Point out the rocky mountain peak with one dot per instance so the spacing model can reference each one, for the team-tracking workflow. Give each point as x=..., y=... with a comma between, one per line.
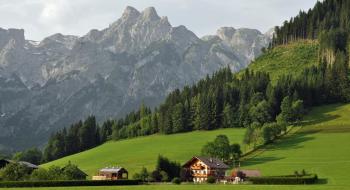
x=15, y=35
x=130, y=12
x=59, y=39
x=150, y=13
x=226, y=33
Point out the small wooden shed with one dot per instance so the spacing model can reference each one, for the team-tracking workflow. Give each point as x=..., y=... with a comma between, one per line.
x=113, y=173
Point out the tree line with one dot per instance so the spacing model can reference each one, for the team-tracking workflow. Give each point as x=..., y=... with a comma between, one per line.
x=325, y=16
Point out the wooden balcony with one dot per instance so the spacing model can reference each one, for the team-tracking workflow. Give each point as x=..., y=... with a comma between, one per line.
x=200, y=175
x=197, y=167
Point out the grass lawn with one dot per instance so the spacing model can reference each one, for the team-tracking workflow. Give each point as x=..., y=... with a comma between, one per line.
x=135, y=153
x=321, y=146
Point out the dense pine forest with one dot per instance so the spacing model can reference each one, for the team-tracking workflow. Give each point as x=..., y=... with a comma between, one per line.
x=225, y=100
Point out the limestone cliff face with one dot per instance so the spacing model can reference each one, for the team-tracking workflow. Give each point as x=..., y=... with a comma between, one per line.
x=47, y=85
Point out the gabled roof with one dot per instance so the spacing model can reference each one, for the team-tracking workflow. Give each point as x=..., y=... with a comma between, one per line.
x=214, y=163
x=27, y=164
x=79, y=170
x=113, y=169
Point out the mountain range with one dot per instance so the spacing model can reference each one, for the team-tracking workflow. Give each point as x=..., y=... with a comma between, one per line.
x=48, y=85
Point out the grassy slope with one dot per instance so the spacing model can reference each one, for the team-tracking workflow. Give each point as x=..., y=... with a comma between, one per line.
x=321, y=145
x=287, y=59
x=133, y=154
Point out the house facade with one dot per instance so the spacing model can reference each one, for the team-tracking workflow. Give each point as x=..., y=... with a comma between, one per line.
x=200, y=168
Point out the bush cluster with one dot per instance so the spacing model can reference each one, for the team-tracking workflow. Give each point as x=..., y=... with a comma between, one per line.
x=285, y=180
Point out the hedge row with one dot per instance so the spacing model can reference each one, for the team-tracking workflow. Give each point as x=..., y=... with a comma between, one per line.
x=67, y=183
x=285, y=180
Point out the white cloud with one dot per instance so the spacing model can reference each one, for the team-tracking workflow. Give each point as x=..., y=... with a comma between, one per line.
x=41, y=18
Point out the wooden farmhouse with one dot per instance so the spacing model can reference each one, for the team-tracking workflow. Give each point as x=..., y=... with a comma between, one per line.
x=200, y=168
x=113, y=173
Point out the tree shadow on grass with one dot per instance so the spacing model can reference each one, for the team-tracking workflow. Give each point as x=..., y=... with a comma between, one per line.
x=294, y=141
x=322, y=181
x=260, y=160
x=320, y=119
x=291, y=142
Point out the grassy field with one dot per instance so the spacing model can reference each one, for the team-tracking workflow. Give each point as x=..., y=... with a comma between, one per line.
x=287, y=59
x=133, y=154
x=321, y=145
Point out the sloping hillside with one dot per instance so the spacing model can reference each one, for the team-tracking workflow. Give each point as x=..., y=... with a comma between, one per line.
x=320, y=146
x=135, y=153
x=287, y=59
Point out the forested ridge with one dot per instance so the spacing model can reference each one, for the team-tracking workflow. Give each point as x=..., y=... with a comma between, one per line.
x=225, y=100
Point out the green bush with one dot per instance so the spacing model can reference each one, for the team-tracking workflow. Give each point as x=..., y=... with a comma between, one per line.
x=176, y=180
x=211, y=180
x=67, y=183
x=284, y=180
x=15, y=172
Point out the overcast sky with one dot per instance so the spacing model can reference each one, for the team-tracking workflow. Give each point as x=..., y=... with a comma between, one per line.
x=41, y=18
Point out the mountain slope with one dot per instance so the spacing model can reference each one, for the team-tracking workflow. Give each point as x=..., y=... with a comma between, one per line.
x=291, y=58
x=107, y=73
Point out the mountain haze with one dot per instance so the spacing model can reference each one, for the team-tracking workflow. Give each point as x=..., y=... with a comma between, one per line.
x=47, y=85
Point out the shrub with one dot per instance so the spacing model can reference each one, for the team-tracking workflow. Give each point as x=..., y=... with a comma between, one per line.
x=285, y=180
x=40, y=174
x=164, y=175
x=72, y=172
x=15, y=172
x=176, y=181
x=156, y=176
x=55, y=173
x=211, y=180
x=143, y=175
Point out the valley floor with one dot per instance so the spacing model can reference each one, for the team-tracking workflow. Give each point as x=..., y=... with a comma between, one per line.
x=321, y=145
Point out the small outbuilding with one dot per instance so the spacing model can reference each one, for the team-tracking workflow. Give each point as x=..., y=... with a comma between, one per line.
x=4, y=162
x=113, y=173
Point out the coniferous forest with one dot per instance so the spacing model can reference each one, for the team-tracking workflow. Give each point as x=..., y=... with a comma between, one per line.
x=249, y=100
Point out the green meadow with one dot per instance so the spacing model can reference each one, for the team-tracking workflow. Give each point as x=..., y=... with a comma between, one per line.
x=321, y=145
x=133, y=154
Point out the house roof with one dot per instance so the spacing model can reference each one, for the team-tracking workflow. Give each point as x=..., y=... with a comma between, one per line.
x=210, y=162
x=113, y=169
x=27, y=164
x=79, y=170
